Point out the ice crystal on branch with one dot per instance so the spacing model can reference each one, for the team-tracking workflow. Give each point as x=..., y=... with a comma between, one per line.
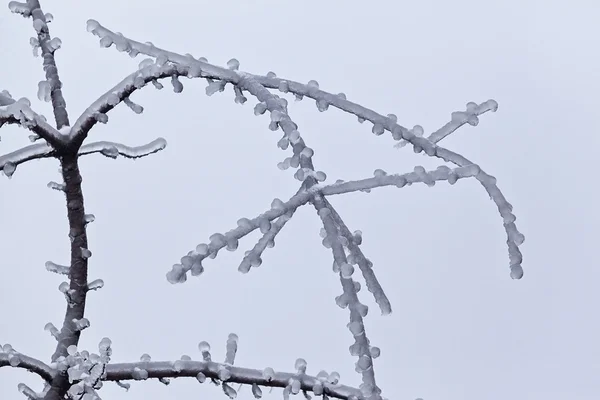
x=79, y=374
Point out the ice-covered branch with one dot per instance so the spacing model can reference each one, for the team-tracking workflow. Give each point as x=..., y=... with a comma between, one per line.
x=257, y=85
x=459, y=118
x=357, y=257
x=209, y=369
x=48, y=46
x=96, y=112
x=193, y=260
x=349, y=298
x=10, y=161
x=78, y=266
x=112, y=149
x=11, y=358
x=20, y=112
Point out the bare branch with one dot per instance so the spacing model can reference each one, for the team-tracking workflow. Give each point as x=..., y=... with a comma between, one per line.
x=112, y=149
x=11, y=358
x=210, y=369
x=19, y=112
x=10, y=161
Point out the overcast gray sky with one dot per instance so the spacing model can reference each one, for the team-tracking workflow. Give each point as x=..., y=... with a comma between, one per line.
x=461, y=328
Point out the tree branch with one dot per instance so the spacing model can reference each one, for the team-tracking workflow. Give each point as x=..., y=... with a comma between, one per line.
x=10, y=161
x=19, y=112
x=256, y=85
x=349, y=298
x=112, y=149
x=12, y=358
x=181, y=368
x=49, y=63
x=78, y=270
x=137, y=80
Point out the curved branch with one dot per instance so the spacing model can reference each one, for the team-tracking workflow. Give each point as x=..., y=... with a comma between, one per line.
x=10, y=161
x=118, y=94
x=166, y=369
x=514, y=237
x=18, y=360
x=112, y=149
x=19, y=112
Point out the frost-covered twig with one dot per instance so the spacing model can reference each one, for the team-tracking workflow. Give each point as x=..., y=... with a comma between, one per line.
x=20, y=112
x=324, y=99
x=209, y=369
x=193, y=260
x=48, y=46
x=11, y=358
x=349, y=298
x=96, y=112
x=459, y=118
x=10, y=161
x=112, y=149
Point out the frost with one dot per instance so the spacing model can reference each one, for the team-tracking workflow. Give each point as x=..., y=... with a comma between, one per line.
x=177, y=85
x=81, y=324
x=300, y=365
x=229, y=391
x=374, y=351
x=333, y=378
x=9, y=169
x=19, y=8
x=204, y=348
x=233, y=64
x=256, y=391
x=57, y=269
x=85, y=253
x=139, y=374
x=136, y=108
x=223, y=373
x=35, y=46
x=39, y=26
x=44, y=91
x=95, y=284
x=232, y=345
x=268, y=374
x=516, y=271
x=54, y=44
x=49, y=327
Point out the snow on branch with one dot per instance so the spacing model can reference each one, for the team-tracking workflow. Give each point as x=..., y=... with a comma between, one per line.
x=9, y=357
x=112, y=149
x=20, y=112
x=10, y=161
x=349, y=298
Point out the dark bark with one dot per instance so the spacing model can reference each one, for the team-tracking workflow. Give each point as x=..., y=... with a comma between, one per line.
x=78, y=273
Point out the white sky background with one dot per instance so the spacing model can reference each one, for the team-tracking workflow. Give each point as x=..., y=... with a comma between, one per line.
x=461, y=328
